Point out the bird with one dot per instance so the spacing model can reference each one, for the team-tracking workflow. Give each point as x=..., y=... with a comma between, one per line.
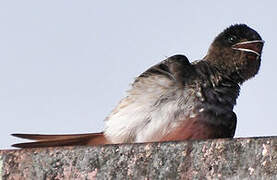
x=176, y=100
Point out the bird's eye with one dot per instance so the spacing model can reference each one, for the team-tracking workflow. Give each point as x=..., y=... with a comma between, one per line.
x=232, y=39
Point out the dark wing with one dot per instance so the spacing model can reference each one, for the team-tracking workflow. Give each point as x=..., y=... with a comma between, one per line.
x=177, y=68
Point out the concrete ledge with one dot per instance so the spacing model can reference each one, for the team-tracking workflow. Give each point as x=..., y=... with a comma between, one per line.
x=245, y=158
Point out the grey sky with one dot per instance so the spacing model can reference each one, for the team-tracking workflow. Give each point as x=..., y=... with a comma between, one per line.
x=64, y=65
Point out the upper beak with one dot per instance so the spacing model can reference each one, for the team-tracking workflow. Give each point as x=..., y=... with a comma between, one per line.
x=254, y=46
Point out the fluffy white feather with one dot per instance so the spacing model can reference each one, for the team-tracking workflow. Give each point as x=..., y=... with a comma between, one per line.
x=138, y=117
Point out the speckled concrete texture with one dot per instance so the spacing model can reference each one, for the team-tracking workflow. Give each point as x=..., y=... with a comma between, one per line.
x=246, y=158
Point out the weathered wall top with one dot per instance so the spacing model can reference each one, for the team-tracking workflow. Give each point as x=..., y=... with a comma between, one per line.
x=254, y=158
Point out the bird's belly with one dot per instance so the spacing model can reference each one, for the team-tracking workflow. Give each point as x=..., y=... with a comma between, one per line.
x=193, y=128
x=197, y=123
x=182, y=117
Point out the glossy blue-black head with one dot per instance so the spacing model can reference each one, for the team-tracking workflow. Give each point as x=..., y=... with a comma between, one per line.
x=237, y=52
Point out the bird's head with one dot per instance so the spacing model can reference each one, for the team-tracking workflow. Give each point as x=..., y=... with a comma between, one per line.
x=236, y=52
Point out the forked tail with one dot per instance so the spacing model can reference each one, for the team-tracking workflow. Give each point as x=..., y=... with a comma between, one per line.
x=42, y=140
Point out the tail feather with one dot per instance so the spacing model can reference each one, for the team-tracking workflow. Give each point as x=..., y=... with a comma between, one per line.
x=53, y=136
x=60, y=140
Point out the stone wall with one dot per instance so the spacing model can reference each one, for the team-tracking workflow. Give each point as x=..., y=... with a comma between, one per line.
x=244, y=158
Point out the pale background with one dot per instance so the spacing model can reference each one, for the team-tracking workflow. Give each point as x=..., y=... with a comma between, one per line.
x=65, y=64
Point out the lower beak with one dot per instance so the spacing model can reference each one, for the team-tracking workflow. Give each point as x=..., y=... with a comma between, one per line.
x=255, y=46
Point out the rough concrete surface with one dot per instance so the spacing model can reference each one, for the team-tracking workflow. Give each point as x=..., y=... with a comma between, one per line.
x=245, y=158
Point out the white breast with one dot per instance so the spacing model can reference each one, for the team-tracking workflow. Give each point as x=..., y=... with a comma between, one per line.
x=146, y=113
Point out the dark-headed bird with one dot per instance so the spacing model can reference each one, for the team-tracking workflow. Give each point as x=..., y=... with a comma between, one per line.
x=178, y=100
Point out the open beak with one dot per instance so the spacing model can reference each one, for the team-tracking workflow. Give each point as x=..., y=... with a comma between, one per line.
x=254, y=46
